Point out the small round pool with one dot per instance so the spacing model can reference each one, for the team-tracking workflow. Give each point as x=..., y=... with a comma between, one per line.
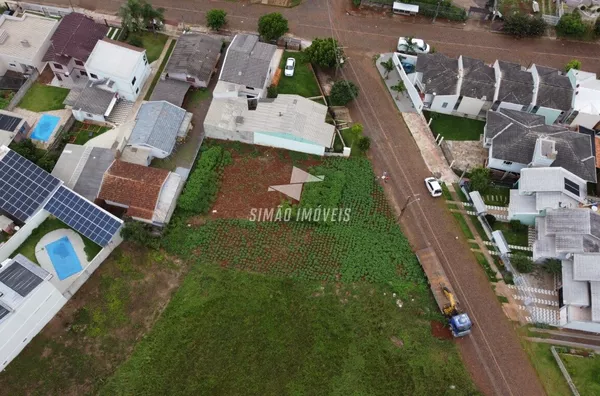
x=44, y=127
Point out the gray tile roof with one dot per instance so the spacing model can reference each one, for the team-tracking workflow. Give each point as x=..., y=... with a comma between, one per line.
x=440, y=73
x=172, y=91
x=586, y=267
x=551, y=179
x=516, y=85
x=555, y=89
x=576, y=230
x=574, y=292
x=93, y=99
x=247, y=61
x=514, y=135
x=157, y=125
x=90, y=180
x=478, y=79
x=195, y=55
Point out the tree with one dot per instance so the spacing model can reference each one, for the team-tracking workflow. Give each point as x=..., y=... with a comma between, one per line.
x=140, y=233
x=388, y=66
x=272, y=26
x=573, y=64
x=364, y=143
x=411, y=45
x=553, y=266
x=521, y=263
x=399, y=88
x=571, y=25
x=521, y=25
x=27, y=149
x=480, y=179
x=136, y=41
x=343, y=92
x=216, y=19
x=324, y=52
x=47, y=161
x=136, y=15
x=517, y=226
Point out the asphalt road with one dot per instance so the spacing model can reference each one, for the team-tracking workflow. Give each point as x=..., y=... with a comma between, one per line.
x=492, y=353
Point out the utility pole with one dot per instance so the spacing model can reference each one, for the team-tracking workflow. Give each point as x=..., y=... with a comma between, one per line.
x=409, y=200
x=437, y=9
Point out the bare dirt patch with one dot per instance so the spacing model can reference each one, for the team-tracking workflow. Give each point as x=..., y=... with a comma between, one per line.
x=440, y=331
x=246, y=182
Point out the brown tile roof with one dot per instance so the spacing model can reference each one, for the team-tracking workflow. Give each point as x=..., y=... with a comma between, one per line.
x=124, y=45
x=597, y=152
x=75, y=37
x=133, y=185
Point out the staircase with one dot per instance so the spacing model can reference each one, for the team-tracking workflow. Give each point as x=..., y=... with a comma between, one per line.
x=120, y=112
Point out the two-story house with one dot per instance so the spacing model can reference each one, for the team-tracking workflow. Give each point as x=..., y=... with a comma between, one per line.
x=71, y=45
x=586, y=103
x=553, y=93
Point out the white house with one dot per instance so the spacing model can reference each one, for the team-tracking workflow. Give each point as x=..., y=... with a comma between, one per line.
x=122, y=68
x=24, y=41
x=517, y=140
x=586, y=104
x=289, y=121
x=248, y=67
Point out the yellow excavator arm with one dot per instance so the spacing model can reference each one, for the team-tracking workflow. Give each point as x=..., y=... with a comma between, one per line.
x=451, y=308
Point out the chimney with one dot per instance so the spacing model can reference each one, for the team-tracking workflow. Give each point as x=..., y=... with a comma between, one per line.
x=544, y=153
x=25, y=43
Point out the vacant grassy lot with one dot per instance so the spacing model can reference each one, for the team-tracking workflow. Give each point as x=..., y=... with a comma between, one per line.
x=303, y=82
x=44, y=98
x=455, y=128
x=235, y=333
x=153, y=43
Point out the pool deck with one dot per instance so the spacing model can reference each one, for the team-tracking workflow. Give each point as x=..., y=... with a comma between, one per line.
x=46, y=263
x=32, y=118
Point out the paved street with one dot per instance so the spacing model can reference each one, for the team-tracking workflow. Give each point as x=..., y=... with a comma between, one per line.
x=492, y=353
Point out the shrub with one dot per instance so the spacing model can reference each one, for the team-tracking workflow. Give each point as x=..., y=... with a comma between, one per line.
x=553, y=266
x=491, y=219
x=517, y=226
x=356, y=2
x=480, y=179
x=573, y=64
x=136, y=41
x=325, y=195
x=216, y=19
x=202, y=186
x=521, y=263
x=140, y=233
x=272, y=26
x=364, y=143
x=272, y=91
x=342, y=92
x=521, y=25
x=571, y=25
x=324, y=52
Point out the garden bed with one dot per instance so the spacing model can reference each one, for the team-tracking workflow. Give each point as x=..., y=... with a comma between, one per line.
x=82, y=132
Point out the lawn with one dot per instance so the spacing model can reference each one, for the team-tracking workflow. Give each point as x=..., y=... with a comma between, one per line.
x=27, y=248
x=585, y=372
x=163, y=64
x=153, y=43
x=455, y=128
x=197, y=95
x=231, y=333
x=491, y=274
x=518, y=237
x=463, y=225
x=552, y=379
x=5, y=98
x=351, y=138
x=497, y=196
x=44, y=98
x=81, y=132
x=304, y=82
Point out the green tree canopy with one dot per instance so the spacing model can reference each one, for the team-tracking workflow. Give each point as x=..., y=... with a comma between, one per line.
x=272, y=26
x=342, y=92
x=136, y=15
x=324, y=52
x=573, y=64
x=480, y=179
x=216, y=19
x=571, y=25
x=521, y=25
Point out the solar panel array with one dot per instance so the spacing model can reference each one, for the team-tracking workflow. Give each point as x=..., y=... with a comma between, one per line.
x=9, y=123
x=23, y=186
x=83, y=216
x=20, y=279
x=572, y=187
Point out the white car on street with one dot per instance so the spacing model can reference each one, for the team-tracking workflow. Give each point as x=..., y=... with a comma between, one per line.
x=415, y=46
x=290, y=65
x=433, y=186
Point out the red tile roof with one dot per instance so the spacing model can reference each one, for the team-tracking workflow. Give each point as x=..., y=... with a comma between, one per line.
x=133, y=185
x=75, y=37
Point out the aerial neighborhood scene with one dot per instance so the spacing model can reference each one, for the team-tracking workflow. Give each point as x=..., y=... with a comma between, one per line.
x=300, y=197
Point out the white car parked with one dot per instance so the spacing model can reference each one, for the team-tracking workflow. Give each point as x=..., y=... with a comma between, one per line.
x=417, y=46
x=433, y=186
x=290, y=65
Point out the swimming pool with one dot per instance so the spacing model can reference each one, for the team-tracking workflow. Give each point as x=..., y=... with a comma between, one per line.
x=63, y=258
x=44, y=127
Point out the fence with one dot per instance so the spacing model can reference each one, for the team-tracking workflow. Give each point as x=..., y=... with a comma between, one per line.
x=23, y=90
x=564, y=371
x=50, y=11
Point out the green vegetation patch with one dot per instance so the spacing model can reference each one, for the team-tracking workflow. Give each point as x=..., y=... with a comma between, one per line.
x=463, y=225
x=513, y=236
x=5, y=98
x=44, y=98
x=491, y=274
x=497, y=196
x=585, y=372
x=552, y=379
x=453, y=127
x=153, y=43
x=303, y=82
x=81, y=132
x=227, y=331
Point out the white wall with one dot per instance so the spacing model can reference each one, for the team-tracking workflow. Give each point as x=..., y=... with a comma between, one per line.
x=413, y=94
x=82, y=116
x=586, y=120
x=511, y=106
x=591, y=327
x=470, y=106
x=439, y=101
x=273, y=66
x=275, y=141
x=19, y=237
x=500, y=165
x=123, y=85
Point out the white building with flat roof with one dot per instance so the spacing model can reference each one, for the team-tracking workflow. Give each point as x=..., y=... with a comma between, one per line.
x=24, y=41
x=120, y=67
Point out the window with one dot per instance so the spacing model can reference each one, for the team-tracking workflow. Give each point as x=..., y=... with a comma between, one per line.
x=93, y=76
x=190, y=79
x=133, y=81
x=252, y=104
x=78, y=62
x=89, y=115
x=572, y=187
x=83, y=72
x=507, y=163
x=535, y=109
x=58, y=77
x=250, y=88
x=444, y=105
x=12, y=64
x=137, y=90
x=145, y=59
x=57, y=66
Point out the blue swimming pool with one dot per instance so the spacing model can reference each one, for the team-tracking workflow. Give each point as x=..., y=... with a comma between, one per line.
x=63, y=258
x=44, y=127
